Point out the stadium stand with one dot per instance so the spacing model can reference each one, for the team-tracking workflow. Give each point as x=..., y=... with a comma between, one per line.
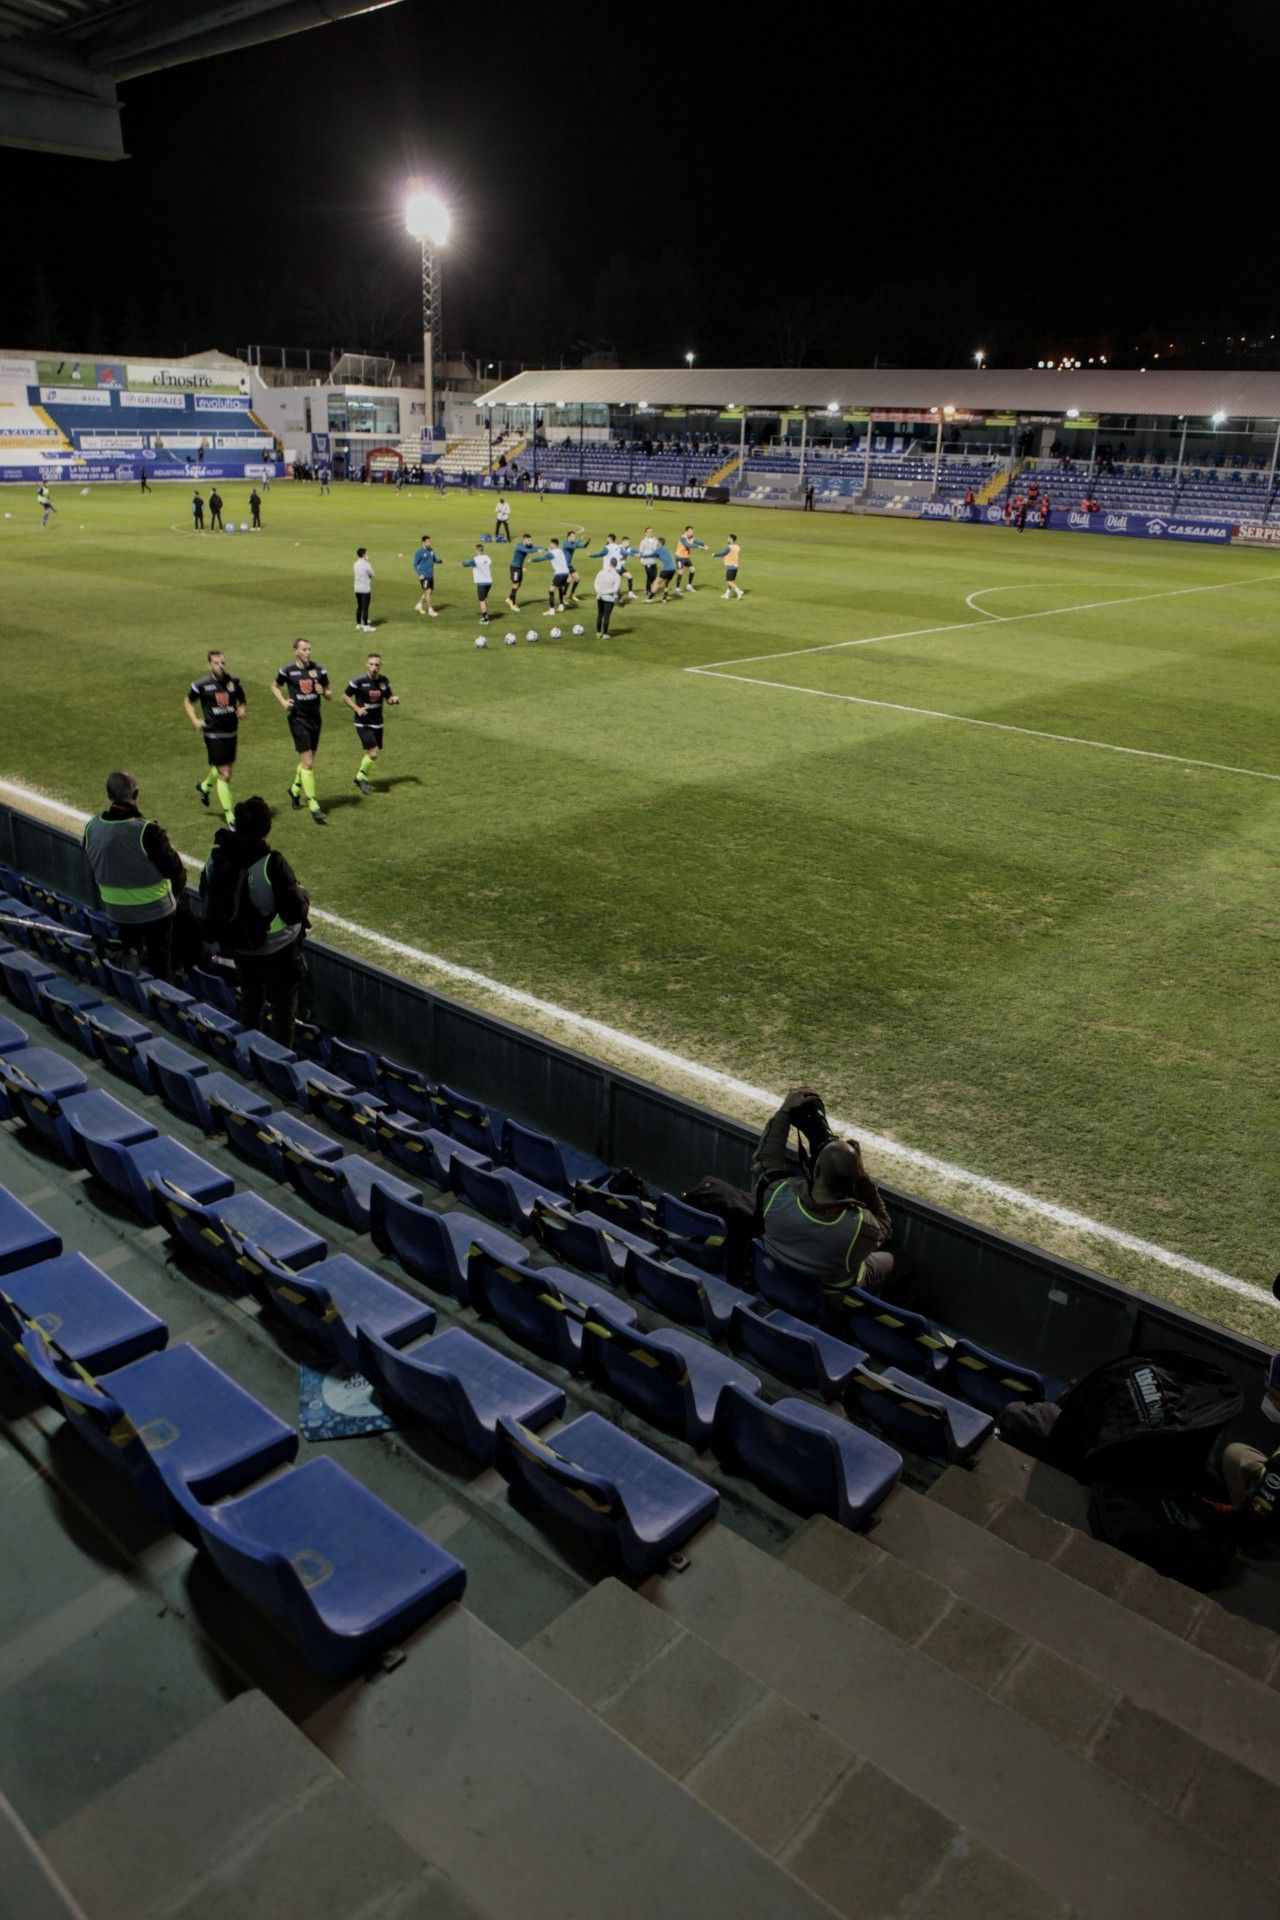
x=751, y=1700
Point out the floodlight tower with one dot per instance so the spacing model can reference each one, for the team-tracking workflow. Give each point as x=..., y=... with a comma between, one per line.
x=426, y=218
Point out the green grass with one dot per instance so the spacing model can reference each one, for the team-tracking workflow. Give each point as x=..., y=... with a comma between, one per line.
x=1053, y=965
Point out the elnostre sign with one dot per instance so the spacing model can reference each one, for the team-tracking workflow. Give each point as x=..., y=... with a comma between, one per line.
x=185, y=379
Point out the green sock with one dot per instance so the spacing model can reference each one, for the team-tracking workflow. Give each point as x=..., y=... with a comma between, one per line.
x=296, y=788
x=225, y=801
x=366, y=768
x=308, y=779
x=207, y=782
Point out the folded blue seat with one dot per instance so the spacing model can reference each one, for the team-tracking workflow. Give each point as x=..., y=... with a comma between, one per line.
x=23, y=974
x=202, y=1094
x=634, y=1211
x=459, y=1387
x=24, y=1237
x=587, y=1240
x=632, y=1505
x=337, y=1569
x=988, y=1381
x=894, y=1333
x=208, y=1027
x=167, y=1004
x=304, y=1075
x=214, y=1230
x=96, y=1110
x=262, y=1058
x=334, y=1302
x=90, y=1319
x=812, y=1460
x=166, y=1058
x=342, y=1187
x=436, y=1248
x=215, y=989
x=475, y=1125
x=13, y=1038
x=118, y=1039
x=682, y=1292
x=407, y=1089
x=796, y=1293
x=355, y=1064
x=671, y=1378
x=914, y=1414
x=352, y=1111
x=134, y=989
x=499, y=1193
x=690, y=1233
x=547, y=1161
x=172, y=1423
x=416, y=1146
x=543, y=1308
x=129, y=1170
x=801, y=1354
x=60, y=1001
x=263, y=1139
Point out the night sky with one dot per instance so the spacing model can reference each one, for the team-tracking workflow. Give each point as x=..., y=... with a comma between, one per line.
x=1032, y=181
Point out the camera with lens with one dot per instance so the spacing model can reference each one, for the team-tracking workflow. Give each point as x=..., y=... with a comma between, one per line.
x=810, y=1122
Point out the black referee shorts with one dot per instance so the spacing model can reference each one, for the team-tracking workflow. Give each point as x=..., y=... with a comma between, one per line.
x=221, y=749
x=369, y=737
x=305, y=734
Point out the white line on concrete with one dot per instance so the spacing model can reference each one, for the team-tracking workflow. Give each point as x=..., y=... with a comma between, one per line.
x=1005, y=619
x=761, y=1097
x=999, y=726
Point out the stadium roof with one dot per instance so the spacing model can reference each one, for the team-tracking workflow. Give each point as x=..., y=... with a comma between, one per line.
x=61, y=60
x=967, y=389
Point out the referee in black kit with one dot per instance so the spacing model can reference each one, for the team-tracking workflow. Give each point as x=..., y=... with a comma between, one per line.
x=300, y=686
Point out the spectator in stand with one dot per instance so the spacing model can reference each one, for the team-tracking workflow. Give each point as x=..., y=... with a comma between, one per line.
x=266, y=941
x=138, y=875
x=830, y=1224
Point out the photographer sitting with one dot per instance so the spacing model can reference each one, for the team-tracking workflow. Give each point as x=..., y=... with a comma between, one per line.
x=828, y=1221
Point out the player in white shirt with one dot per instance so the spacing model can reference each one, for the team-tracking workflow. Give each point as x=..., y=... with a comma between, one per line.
x=501, y=519
x=560, y=571
x=608, y=585
x=648, y=556
x=482, y=570
x=362, y=576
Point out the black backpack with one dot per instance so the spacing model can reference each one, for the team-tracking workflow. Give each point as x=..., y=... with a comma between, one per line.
x=1165, y=1530
x=1146, y=1421
x=231, y=920
x=738, y=1211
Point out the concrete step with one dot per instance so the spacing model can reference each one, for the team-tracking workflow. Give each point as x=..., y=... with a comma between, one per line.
x=1190, y=1735
x=529, y=1803
x=32, y=1890
x=841, y=1825
x=244, y=1816
x=1086, y=1838
x=1237, y=1642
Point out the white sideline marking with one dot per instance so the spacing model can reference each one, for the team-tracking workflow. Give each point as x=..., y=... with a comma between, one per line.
x=999, y=726
x=1006, y=619
x=743, y=1089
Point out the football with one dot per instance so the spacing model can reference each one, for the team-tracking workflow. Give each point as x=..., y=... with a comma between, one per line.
x=481, y=641
x=555, y=633
x=577, y=632
x=531, y=635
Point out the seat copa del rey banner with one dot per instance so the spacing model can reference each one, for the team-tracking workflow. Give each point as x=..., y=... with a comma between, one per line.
x=638, y=490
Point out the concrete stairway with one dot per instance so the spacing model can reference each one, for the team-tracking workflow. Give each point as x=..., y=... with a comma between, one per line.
x=985, y=1765
x=1008, y=1494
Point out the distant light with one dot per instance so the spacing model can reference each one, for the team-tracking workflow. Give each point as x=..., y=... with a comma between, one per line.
x=948, y=409
x=1039, y=363
x=833, y=406
x=1103, y=358
x=979, y=356
x=1218, y=419
x=688, y=359
x=426, y=217
x=644, y=406
x=1073, y=413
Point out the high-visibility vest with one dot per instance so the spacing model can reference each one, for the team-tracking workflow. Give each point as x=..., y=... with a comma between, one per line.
x=279, y=936
x=132, y=891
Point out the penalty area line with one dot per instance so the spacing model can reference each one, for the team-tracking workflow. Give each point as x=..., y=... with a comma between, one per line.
x=713, y=1078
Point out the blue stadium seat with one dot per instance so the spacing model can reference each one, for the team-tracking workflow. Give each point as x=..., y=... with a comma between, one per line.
x=24, y=1238
x=418, y=1148
x=545, y=1160
x=107, y=1117
x=671, y=1378
x=129, y=1170
x=435, y=1248
x=337, y=1569
x=207, y=1027
x=812, y=1460
x=33, y=1082
x=133, y=988
x=167, y=1004
x=894, y=1333
x=169, y=1065
x=215, y=1229
x=912, y=1414
x=341, y=1188
x=262, y=1140
x=334, y=1302
x=796, y=1293
x=206, y=1097
x=631, y=1504
x=459, y=1387
x=216, y=989
x=304, y=1075
x=60, y=1001
x=633, y=1211
x=690, y=1233
x=355, y=1064
x=118, y=1039
x=801, y=1354
x=988, y=1381
x=23, y=974
x=682, y=1292
x=476, y=1126
x=259, y=1057
x=501, y=1195
x=171, y=1422
x=88, y=1317
x=352, y=1112
x=542, y=1308
x=586, y=1240
x=13, y=1038
x=406, y=1089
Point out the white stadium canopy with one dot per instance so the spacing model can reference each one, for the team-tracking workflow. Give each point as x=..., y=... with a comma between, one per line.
x=1107, y=391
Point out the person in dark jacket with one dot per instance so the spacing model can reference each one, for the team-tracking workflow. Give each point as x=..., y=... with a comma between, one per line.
x=833, y=1227
x=138, y=875
x=269, y=972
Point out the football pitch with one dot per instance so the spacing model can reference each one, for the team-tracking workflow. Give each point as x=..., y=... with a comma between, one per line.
x=975, y=831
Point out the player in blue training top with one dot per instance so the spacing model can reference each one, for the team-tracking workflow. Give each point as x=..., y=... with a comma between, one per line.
x=572, y=546
x=425, y=562
x=686, y=546
x=523, y=551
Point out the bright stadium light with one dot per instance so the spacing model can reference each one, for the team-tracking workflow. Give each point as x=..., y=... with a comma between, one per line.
x=1073, y=413
x=688, y=359
x=833, y=406
x=1218, y=419
x=426, y=220
x=979, y=356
